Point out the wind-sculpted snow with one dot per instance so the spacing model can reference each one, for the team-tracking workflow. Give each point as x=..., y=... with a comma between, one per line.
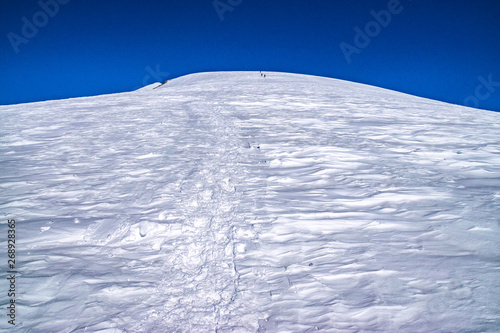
x=226, y=202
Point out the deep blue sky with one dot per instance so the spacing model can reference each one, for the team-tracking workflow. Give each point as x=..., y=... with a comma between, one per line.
x=442, y=49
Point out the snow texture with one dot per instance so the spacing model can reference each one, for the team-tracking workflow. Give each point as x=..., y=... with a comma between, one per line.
x=229, y=202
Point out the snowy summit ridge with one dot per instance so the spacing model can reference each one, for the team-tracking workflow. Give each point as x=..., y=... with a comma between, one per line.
x=229, y=202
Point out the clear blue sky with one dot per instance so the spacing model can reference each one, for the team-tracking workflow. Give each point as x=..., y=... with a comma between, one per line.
x=447, y=50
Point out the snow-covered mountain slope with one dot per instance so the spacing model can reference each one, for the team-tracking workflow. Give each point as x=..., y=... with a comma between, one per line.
x=226, y=202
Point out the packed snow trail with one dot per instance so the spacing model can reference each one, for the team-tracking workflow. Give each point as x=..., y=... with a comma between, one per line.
x=225, y=202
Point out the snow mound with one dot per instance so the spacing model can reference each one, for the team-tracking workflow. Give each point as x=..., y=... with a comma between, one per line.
x=229, y=202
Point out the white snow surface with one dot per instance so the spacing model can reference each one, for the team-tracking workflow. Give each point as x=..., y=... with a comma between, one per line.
x=226, y=202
